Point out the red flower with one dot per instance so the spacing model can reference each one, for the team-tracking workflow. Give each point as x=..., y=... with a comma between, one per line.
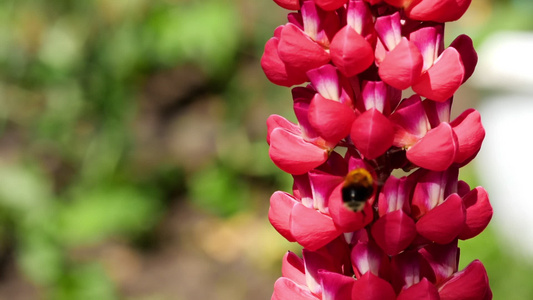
x=366, y=233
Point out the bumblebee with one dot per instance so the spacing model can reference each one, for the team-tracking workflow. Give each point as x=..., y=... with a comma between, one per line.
x=357, y=189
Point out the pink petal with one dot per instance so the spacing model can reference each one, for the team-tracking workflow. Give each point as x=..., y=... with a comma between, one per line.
x=285, y=288
x=299, y=52
x=465, y=47
x=350, y=52
x=478, y=213
x=326, y=81
x=311, y=228
x=470, y=134
x=389, y=30
x=375, y=95
x=436, y=150
x=301, y=110
x=470, y=283
x=275, y=69
x=438, y=112
x=292, y=267
x=359, y=17
x=331, y=120
x=289, y=4
x=444, y=78
x=395, y=195
x=437, y=10
x=345, y=219
x=443, y=259
x=443, y=223
x=275, y=121
x=429, y=41
x=314, y=262
x=301, y=189
x=372, y=133
x=294, y=155
x=371, y=287
x=335, y=286
x=368, y=257
x=402, y=66
x=311, y=19
x=408, y=268
x=423, y=290
x=279, y=213
x=394, y=231
x=410, y=121
x=322, y=184
x=431, y=189
x=330, y=4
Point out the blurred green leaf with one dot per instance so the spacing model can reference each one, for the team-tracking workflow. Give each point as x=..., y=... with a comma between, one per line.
x=218, y=190
x=105, y=212
x=85, y=282
x=23, y=191
x=40, y=258
x=205, y=32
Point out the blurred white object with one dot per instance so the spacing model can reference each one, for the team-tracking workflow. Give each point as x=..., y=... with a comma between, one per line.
x=506, y=62
x=506, y=158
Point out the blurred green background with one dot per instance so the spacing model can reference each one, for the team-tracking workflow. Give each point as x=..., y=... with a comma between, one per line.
x=133, y=161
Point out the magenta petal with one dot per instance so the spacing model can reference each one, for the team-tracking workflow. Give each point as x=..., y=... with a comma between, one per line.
x=311, y=228
x=345, y=219
x=294, y=155
x=359, y=17
x=431, y=189
x=350, y=52
x=408, y=268
x=395, y=195
x=443, y=223
x=371, y=287
x=437, y=10
x=436, y=150
x=300, y=52
x=275, y=121
x=315, y=261
x=326, y=81
x=465, y=47
x=279, y=213
x=375, y=95
x=322, y=184
x=438, y=112
x=429, y=41
x=301, y=110
x=443, y=259
x=372, y=133
x=402, y=66
x=285, y=288
x=470, y=283
x=335, y=286
x=470, y=134
x=289, y=4
x=292, y=267
x=394, y=231
x=275, y=69
x=444, y=78
x=423, y=290
x=368, y=257
x=411, y=122
x=478, y=213
x=332, y=120
x=389, y=30
x=330, y=4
